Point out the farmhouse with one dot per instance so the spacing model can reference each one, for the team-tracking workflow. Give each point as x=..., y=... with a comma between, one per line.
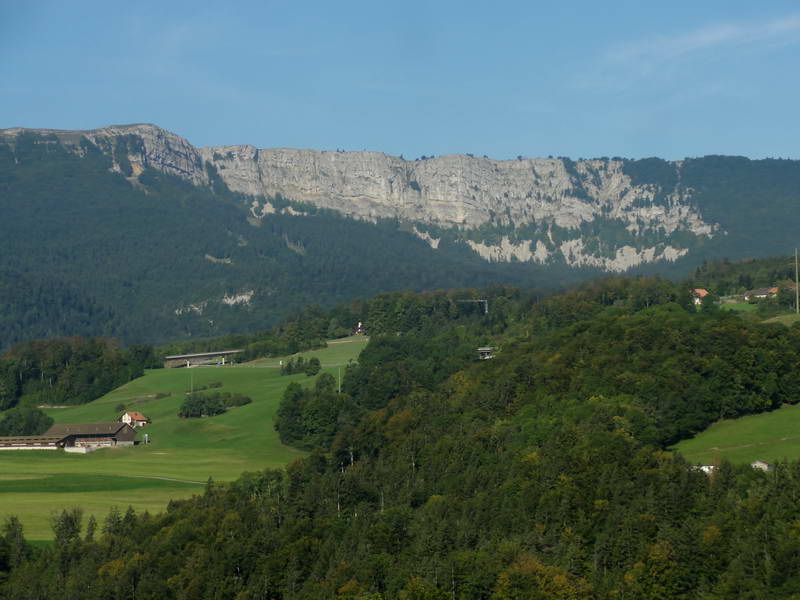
x=698, y=294
x=91, y=436
x=74, y=438
x=760, y=293
x=134, y=419
x=199, y=359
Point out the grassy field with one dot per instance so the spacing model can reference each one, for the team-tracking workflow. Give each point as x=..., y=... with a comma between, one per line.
x=338, y=353
x=769, y=436
x=787, y=319
x=183, y=454
x=739, y=306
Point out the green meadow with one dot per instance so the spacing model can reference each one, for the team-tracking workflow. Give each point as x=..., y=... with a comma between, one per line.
x=182, y=455
x=739, y=306
x=787, y=319
x=770, y=436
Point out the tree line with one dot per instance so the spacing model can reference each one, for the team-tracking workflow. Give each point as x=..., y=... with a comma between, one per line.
x=63, y=371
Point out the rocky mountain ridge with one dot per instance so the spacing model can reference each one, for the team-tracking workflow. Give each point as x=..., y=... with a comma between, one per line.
x=530, y=209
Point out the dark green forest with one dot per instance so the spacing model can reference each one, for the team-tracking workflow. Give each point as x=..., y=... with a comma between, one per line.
x=541, y=473
x=85, y=252
x=753, y=201
x=62, y=371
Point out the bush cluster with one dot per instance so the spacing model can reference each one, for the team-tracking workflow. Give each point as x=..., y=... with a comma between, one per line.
x=310, y=367
x=209, y=405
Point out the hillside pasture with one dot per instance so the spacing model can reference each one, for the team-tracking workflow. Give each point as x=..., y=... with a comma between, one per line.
x=182, y=455
x=770, y=436
x=337, y=354
x=786, y=319
x=739, y=306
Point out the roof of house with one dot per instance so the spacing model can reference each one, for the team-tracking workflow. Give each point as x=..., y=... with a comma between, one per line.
x=761, y=291
x=136, y=415
x=30, y=439
x=85, y=429
x=700, y=292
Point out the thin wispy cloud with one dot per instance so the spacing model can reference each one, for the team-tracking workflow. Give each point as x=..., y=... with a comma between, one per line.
x=666, y=47
x=625, y=64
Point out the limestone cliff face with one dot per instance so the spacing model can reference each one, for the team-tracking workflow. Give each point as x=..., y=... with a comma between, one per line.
x=453, y=190
x=463, y=193
x=457, y=192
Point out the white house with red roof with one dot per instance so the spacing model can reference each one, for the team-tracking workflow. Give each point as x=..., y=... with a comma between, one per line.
x=134, y=419
x=698, y=294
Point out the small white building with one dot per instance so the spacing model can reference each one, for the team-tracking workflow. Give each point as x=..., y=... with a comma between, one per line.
x=762, y=465
x=134, y=419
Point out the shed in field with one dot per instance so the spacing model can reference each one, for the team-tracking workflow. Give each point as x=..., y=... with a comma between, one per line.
x=81, y=438
x=31, y=442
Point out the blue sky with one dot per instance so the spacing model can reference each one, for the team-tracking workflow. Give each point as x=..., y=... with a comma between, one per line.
x=579, y=79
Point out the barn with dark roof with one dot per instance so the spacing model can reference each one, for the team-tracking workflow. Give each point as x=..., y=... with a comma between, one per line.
x=80, y=438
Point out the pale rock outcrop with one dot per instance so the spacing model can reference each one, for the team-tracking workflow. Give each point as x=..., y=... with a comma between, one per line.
x=424, y=235
x=625, y=258
x=196, y=308
x=506, y=251
x=238, y=298
x=217, y=260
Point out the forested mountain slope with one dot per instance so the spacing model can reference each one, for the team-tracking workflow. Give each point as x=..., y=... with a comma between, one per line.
x=85, y=251
x=131, y=231
x=500, y=479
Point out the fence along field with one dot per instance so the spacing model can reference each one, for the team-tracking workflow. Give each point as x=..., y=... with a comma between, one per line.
x=183, y=454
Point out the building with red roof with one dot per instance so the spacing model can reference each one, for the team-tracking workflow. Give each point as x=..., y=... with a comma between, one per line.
x=698, y=294
x=134, y=419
